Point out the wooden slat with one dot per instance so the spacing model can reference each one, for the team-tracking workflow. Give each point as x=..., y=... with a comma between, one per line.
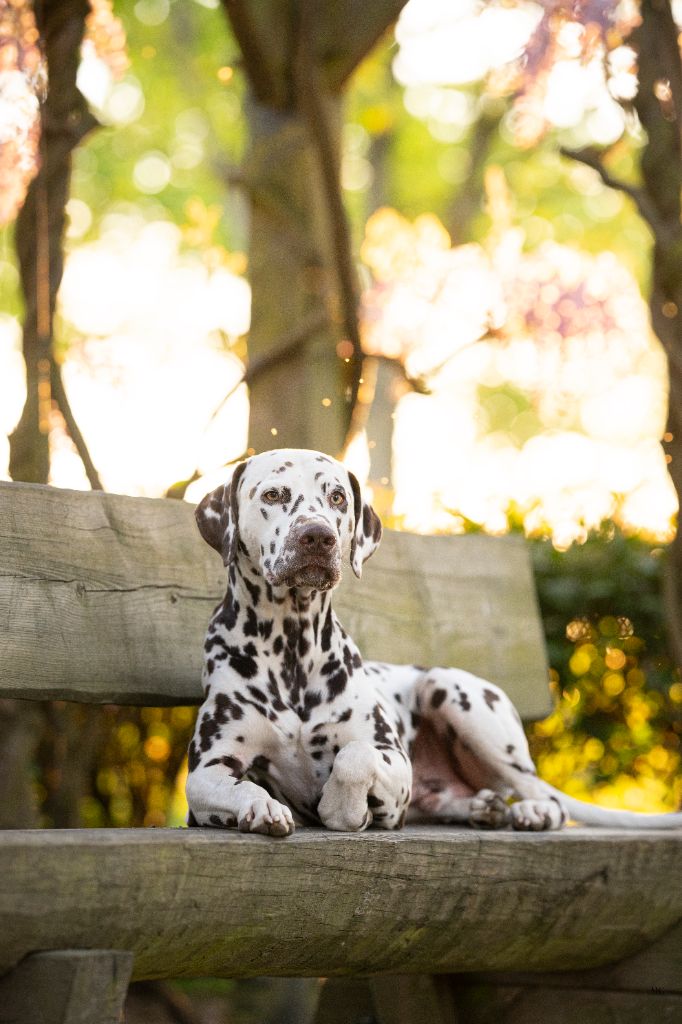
x=190, y=902
x=658, y=968
x=465, y=601
x=509, y=1005
x=102, y=597
x=106, y=598
x=66, y=986
x=413, y=999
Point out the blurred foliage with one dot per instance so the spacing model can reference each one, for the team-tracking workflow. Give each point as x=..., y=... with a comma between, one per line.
x=22, y=82
x=190, y=129
x=614, y=737
x=169, y=142
x=425, y=163
x=139, y=777
x=192, y=122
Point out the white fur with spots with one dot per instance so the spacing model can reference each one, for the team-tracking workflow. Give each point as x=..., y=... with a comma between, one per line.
x=296, y=727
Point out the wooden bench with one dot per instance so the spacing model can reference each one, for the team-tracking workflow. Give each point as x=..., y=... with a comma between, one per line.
x=105, y=599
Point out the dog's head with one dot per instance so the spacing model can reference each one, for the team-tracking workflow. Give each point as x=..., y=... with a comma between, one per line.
x=296, y=514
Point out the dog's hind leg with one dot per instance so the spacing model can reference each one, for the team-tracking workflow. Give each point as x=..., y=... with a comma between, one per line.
x=479, y=728
x=439, y=791
x=485, y=810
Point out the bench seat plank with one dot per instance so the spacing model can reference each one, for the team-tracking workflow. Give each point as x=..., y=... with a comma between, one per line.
x=106, y=598
x=194, y=902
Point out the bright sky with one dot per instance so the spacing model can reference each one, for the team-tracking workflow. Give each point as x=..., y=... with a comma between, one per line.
x=444, y=44
x=153, y=326
x=568, y=335
x=152, y=362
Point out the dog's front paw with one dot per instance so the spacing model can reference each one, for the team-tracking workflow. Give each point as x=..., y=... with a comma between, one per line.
x=488, y=810
x=536, y=815
x=341, y=811
x=344, y=808
x=267, y=816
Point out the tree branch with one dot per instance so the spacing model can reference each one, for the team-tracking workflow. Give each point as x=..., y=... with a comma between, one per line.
x=256, y=65
x=280, y=351
x=350, y=32
x=590, y=158
x=61, y=398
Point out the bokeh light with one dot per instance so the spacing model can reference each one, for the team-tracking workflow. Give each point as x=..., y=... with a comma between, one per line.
x=503, y=336
x=22, y=82
x=152, y=352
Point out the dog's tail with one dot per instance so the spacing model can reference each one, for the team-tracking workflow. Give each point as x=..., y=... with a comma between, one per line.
x=605, y=817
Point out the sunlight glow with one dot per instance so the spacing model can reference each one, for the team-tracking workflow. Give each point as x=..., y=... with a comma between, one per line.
x=445, y=43
x=562, y=77
x=22, y=81
x=149, y=359
x=547, y=389
x=575, y=440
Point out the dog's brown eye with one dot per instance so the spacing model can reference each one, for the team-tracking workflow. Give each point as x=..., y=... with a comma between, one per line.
x=270, y=496
x=337, y=498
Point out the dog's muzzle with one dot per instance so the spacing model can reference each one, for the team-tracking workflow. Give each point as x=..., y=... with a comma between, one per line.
x=311, y=558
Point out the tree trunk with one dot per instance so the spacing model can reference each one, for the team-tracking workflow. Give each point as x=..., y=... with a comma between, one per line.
x=40, y=227
x=291, y=268
x=297, y=58
x=467, y=202
x=659, y=106
x=39, y=236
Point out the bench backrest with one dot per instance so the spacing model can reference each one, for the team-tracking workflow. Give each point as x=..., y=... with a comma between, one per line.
x=105, y=599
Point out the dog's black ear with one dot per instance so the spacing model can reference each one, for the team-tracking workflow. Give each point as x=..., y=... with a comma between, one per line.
x=367, y=529
x=217, y=516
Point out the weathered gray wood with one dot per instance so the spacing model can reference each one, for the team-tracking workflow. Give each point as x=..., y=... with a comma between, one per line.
x=71, y=986
x=388, y=999
x=102, y=597
x=479, y=1004
x=413, y=999
x=106, y=598
x=657, y=968
x=345, y=1001
x=465, y=601
x=192, y=902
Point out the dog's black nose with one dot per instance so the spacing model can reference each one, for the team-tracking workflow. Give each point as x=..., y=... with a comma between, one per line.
x=317, y=539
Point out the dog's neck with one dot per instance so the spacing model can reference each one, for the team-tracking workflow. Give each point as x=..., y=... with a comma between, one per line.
x=247, y=585
x=286, y=636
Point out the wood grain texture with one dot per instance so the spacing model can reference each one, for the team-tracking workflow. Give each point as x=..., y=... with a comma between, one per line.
x=106, y=598
x=465, y=601
x=657, y=968
x=69, y=986
x=193, y=902
x=102, y=598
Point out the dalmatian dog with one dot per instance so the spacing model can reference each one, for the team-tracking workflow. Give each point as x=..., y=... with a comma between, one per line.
x=296, y=727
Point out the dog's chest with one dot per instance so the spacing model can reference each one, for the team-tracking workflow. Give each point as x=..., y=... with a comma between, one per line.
x=301, y=756
x=301, y=753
